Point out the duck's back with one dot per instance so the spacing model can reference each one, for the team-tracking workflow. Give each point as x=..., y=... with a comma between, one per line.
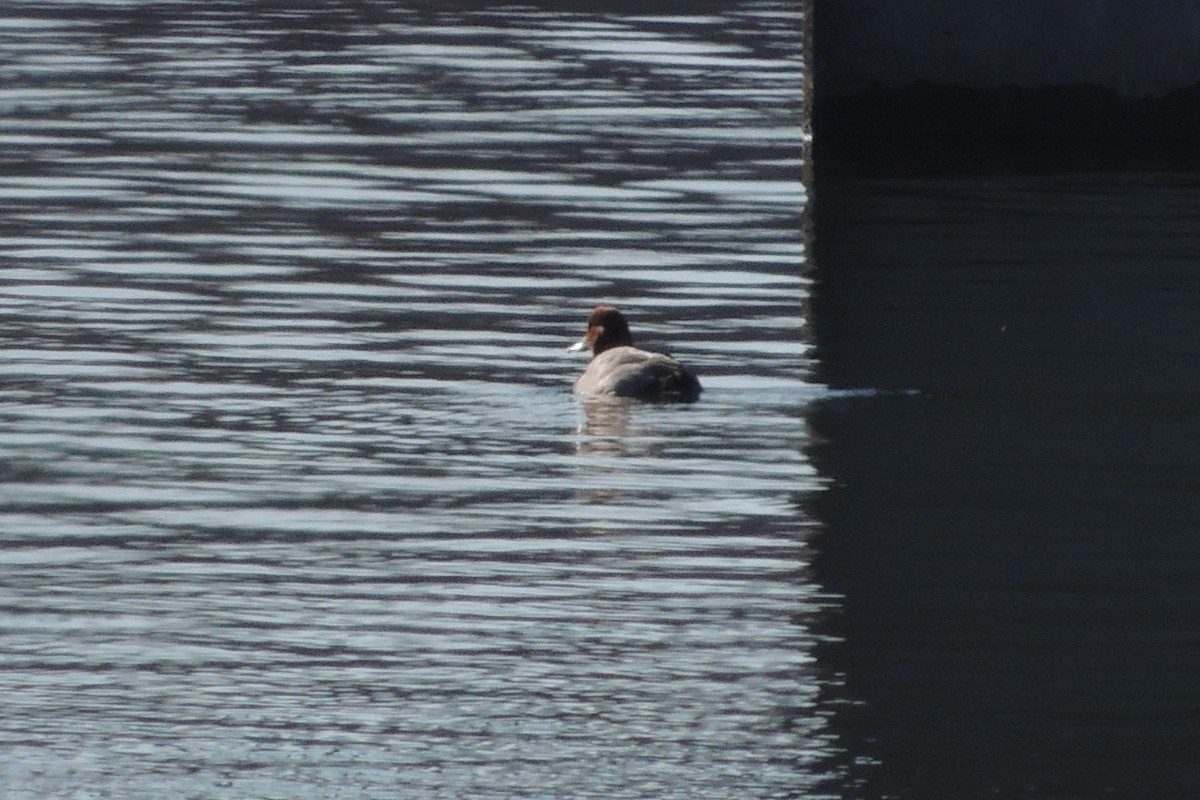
x=630, y=372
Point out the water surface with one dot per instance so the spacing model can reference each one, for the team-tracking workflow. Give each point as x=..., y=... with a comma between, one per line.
x=295, y=501
x=1012, y=524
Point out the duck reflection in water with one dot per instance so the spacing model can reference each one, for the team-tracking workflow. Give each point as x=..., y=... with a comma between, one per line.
x=606, y=430
x=605, y=438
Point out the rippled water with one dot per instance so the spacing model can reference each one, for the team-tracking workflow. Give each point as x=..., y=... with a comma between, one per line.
x=295, y=500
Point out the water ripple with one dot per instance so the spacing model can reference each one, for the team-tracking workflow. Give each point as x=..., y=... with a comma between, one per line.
x=293, y=493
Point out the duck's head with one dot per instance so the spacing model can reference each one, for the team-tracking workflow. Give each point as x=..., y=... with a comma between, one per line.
x=606, y=328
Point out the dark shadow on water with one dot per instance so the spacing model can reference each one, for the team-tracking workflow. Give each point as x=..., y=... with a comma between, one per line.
x=1016, y=540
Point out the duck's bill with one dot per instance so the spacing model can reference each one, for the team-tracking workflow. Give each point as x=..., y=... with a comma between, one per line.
x=575, y=348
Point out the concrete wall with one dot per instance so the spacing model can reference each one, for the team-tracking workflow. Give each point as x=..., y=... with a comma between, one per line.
x=1135, y=47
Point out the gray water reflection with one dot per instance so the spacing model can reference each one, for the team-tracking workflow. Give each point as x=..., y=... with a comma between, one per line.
x=294, y=499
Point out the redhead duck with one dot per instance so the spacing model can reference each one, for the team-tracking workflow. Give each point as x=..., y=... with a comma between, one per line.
x=619, y=368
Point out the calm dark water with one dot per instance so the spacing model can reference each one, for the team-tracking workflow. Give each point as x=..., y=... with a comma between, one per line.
x=294, y=499
x=1016, y=543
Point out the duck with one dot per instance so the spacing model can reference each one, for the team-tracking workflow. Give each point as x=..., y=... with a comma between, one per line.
x=618, y=368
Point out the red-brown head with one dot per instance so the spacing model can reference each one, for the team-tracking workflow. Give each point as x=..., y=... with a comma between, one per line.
x=606, y=328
